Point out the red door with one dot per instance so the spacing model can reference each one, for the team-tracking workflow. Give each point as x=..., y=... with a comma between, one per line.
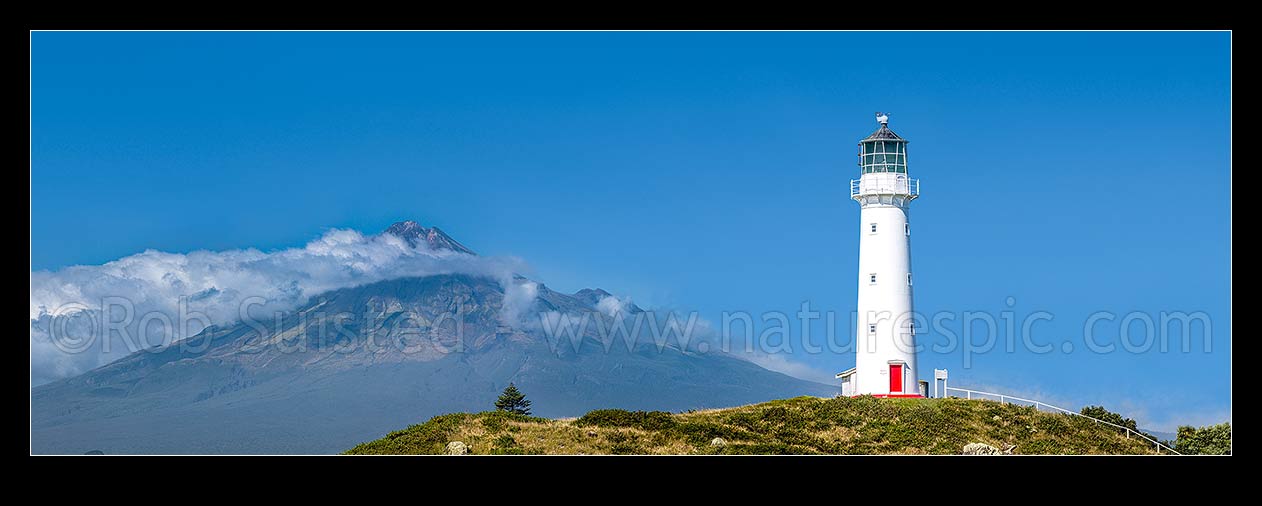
x=896, y=378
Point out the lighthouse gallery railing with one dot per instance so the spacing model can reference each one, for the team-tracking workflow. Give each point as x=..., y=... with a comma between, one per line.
x=902, y=186
x=1007, y=398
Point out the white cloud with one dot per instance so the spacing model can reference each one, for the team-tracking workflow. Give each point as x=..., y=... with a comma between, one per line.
x=781, y=363
x=1170, y=422
x=217, y=283
x=519, y=294
x=612, y=305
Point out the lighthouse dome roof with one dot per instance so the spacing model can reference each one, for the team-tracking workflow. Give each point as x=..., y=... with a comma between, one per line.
x=883, y=134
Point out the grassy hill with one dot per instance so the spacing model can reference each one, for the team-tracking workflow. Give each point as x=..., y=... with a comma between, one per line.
x=802, y=425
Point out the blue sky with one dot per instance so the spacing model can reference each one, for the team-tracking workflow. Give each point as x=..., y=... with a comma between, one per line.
x=1073, y=172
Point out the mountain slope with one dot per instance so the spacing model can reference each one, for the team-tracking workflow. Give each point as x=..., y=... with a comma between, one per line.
x=356, y=362
x=802, y=425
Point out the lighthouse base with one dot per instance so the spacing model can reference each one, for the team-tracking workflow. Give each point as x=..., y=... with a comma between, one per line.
x=892, y=396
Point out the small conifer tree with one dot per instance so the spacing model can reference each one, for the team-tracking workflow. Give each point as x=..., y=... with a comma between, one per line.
x=513, y=401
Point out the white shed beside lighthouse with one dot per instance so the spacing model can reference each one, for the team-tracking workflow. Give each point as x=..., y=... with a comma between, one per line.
x=885, y=362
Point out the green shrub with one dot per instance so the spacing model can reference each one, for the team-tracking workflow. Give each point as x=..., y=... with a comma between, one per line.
x=1099, y=413
x=430, y=437
x=744, y=419
x=493, y=424
x=505, y=441
x=701, y=432
x=625, y=448
x=772, y=448
x=1209, y=440
x=643, y=420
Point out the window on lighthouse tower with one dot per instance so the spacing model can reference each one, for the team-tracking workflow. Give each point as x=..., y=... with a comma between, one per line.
x=872, y=279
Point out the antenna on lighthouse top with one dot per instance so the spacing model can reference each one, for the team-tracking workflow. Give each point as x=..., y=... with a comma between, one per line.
x=882, y=118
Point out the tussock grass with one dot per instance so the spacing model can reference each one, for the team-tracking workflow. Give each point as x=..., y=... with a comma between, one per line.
x=802, y=425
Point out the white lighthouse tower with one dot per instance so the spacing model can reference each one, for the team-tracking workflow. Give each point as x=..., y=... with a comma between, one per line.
x=885, y=363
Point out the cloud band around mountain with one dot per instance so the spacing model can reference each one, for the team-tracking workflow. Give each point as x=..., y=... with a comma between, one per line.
x=217, y=283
